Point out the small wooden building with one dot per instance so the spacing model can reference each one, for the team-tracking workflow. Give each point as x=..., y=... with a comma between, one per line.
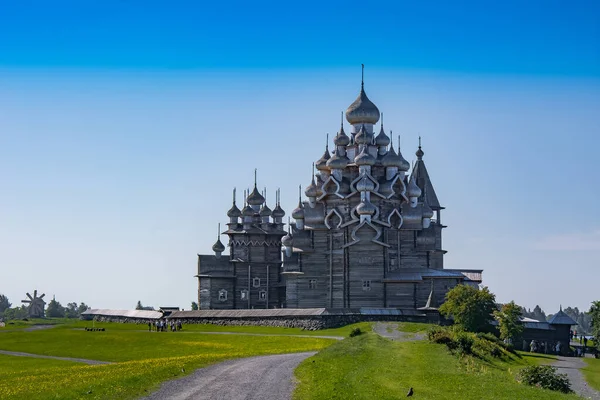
x=546, y=334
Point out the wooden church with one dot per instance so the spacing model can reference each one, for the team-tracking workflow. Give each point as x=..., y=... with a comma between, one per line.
x=369, y=234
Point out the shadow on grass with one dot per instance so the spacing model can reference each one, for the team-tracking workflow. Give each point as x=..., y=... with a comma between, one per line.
x=538, y=355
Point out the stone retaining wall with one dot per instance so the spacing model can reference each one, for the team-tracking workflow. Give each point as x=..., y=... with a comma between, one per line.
x=306, y=323
x=310, y=323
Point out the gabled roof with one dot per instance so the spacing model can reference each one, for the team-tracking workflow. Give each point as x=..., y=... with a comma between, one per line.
x=143, y=314
x=560, y=318
x=424, y=182
x=473, y=275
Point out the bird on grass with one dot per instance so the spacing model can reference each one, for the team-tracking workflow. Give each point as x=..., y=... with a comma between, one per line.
x=410, y=392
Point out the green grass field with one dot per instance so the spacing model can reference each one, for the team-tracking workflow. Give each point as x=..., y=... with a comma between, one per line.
x=371, y=367
x=366, y=366
x=592, y=372
x=142, y=359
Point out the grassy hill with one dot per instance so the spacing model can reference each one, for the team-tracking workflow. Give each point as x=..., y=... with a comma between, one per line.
x=371, y=367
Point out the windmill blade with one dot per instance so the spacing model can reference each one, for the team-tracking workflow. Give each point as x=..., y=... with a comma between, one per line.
x=28, y=295
x=25, y=301
x=35, y=293
x=42, y=296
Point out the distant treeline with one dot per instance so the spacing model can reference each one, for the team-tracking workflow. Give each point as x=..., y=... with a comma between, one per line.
x=53, y=309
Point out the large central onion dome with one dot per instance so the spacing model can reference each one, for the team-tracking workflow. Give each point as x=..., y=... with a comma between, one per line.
x=362, y=111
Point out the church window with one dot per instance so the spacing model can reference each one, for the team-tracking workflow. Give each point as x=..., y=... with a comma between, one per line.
x=256, y=282
x=262, y=295
x=222, y=295
x=244, y=295
x=312, y=284
x=366, y=285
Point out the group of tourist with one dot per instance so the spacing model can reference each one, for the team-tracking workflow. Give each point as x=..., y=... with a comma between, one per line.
x=164, y=325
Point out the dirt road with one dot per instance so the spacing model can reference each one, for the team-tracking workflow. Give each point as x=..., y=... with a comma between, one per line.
x=264, y=378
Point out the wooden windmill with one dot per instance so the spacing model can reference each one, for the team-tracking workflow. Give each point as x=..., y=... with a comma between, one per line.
x=36, y=305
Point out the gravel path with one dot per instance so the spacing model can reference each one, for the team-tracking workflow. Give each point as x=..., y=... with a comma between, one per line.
x=264, y=378
x=79, y=360
x=571, y=366
x=390, y=331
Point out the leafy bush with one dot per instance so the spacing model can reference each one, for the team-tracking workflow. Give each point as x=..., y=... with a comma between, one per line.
x=464, y=342
x=482, y=345
x=545, y=376
x=439, y=335
x=356, y=332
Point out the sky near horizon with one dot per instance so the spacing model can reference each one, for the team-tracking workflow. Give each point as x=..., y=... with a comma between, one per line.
x=124, y=126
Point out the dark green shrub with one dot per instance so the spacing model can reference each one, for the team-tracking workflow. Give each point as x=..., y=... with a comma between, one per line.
x=464, y=343
x=440, y=335
x=545, y=376
x=484, y=348
x=356, y=332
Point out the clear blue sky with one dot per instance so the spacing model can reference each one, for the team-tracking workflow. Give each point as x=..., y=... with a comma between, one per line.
x=125, y=124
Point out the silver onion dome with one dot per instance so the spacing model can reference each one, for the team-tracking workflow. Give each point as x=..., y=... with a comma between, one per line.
x=382, y=140
x=247, y=211
x=413, y=190
x=362, y=110
x=391, y=159
x=234, y=212
x=287, y=240
x=337, y=162
x=363, y=136
x=321, y=163
x=311, y=190
x=341, y=139
x=419, y=153
x=255, y=198
x=218, y=247
x=278, y=212
x=298, y=212
x=265, y=211
x=364, y=158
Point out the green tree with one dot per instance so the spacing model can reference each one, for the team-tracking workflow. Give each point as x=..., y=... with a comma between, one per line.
x=71, y=310
x=595, y=321
x=4, y=303
x=82, y=308
x=194, y=305
x=471, y=308
x=55, y=309
x=139, y=305
x=509, y=321
x=16, y=313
